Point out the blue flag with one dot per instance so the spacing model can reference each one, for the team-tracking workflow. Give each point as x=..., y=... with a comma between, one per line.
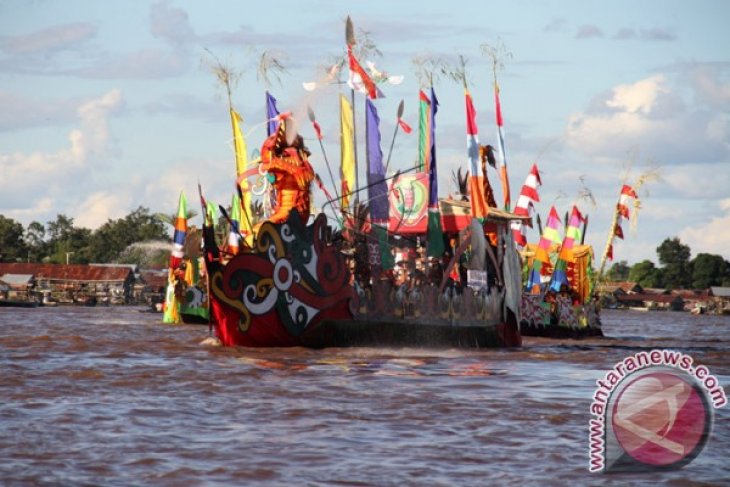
x=271, y=113
x=377, y=189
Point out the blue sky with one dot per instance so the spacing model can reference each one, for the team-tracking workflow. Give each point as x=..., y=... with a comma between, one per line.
x=107, y=105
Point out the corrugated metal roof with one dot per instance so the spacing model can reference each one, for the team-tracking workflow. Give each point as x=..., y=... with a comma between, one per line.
x=71, y=272
x=720, y=292
x=17, y=280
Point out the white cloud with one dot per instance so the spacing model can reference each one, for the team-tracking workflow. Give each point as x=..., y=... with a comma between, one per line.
x=58, y=174
x=650, y=115
x=638, y=97
x=100, y=206
x=712, y=237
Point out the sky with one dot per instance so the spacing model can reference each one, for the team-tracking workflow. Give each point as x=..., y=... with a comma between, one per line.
x=107, y=106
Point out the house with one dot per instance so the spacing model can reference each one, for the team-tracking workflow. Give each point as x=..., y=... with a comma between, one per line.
x=698, y=298
x=77, y=282
x=654, y=301
x=720, y=299
x=610, y=291
x=16, y=286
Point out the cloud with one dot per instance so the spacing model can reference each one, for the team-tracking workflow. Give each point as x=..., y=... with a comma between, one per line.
x=651, y=34
x=171, y=24
x=708, y=87
x=22, y=176
x=588, y=31
x=640, y=96
x=650, y=115
x=712, y=237
x=21, y=111
x=143, y=64
x=99, y=207
x=49, y=40
x=185, y=106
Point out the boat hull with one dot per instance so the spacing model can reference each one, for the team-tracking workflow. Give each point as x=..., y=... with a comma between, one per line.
x=294, y=289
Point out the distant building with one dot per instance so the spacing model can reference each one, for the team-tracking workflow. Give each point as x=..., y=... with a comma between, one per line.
x=78, y=282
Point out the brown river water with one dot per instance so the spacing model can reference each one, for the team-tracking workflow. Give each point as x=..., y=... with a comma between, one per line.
x=111, y=396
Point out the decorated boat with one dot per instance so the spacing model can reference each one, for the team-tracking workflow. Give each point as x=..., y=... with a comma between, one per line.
x=300, y=282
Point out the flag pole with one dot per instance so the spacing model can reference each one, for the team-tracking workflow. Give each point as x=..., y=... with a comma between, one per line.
x=350, y=41
x=395, y=132
x=310, y=114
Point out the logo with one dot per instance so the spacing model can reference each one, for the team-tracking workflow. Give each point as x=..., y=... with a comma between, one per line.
x=660, y=420
x=652, y=411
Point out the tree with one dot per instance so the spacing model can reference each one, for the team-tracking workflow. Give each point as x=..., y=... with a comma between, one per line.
x=114, y=236
x=677, y=270
x=709, y=270
x=646, y=274
x=35, y=239
x=67, y=243
x=12, y=245
x=619, y=271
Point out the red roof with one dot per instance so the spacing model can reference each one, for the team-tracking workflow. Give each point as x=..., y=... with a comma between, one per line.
x=71, y=272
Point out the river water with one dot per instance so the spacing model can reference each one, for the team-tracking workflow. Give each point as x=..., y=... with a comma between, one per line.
x=110, y=396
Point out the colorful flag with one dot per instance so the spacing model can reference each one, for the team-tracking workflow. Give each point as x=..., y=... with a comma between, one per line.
x=479, y=207
x=181, y=230
x=347, y=151
x=526, y=204
x=239, y=143
x=622, y=212
x=572, y=235
x=404, y=126
x=271, y=114
x=234, y=235
x=627, y=193
x=502, y=154
x=550, y=235
x=424, y=131
x=359, y=80
x=377, y=189
x=434, y=233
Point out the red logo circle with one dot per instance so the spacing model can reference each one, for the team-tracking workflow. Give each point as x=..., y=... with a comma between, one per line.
x=661, y=419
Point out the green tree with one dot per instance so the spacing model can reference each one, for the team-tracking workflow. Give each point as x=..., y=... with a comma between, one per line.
x=646, y=274
x=674, y=257
x=35, y=239
x=114, y=236
x=66, y=242
x=12, y=245
x=709, y=270
x=619, y=271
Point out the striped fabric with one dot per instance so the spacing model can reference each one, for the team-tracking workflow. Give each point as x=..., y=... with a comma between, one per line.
x=526, y=204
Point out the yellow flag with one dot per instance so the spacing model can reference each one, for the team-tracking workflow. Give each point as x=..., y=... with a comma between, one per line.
x=347, y=169
x=239, y=143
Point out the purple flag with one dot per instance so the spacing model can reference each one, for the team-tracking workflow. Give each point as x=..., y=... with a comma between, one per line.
x=271, y=113
x=377, y=189
x=433, y=184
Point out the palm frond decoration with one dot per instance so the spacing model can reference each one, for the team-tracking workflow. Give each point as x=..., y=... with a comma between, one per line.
x=223, y=73
x=270, y=67
x=428, y=70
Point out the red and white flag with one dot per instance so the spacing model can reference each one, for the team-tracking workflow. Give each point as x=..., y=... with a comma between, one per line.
x=526, y=204
x=359, y=79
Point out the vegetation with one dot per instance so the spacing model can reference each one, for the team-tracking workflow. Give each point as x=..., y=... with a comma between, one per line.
x=60, y=241
x=677, y=270
x=143, y=238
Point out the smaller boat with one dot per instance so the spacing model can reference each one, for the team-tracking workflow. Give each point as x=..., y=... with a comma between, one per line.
x=19, y=303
